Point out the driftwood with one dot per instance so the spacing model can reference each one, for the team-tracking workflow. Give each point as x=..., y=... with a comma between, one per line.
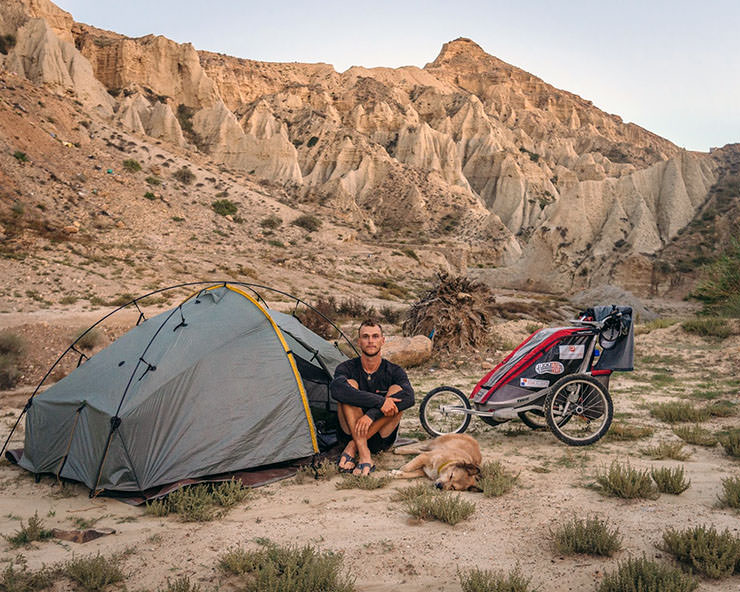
x=456, y=311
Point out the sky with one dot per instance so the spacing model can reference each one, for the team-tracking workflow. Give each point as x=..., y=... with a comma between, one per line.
x=672, y=67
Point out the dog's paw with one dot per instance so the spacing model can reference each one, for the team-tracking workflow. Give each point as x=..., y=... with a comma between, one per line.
x=395, y=473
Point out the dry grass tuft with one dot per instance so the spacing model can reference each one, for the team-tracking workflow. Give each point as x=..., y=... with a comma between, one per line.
x=590, y=536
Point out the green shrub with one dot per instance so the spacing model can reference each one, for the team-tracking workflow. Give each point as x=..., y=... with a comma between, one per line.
x=442, y=506
x=669, y=480
x=273, y=242
x=731, y=443
x=667, y=450
x=182, y=584
x=730, y=497
x=34, y=531
x=696, y=435
x=16, y=577
x=153, y=181
x=184, y=175
x=411, y=492
x=722, y=408
x=150, y=196
x=225, y=207
x=363, y=481
x=483, y=580
x=12, y=347
x=20, y=156
x=307, y=222
x=623, y=432
x=704, y=550
x=229, y=493
x=272, y=222
x=645, y=575
x=131, y=165
x=200, y=503
x=7, y=42
x=494, y=480
x=323, y=471
x=157, y=507
x=708, y=327
x=590, y=536
x=287, y=569
x=678, y=411
x=92, y=338
x=621, y=480
x=720, y=290
x=94, y=572
x=656, y=324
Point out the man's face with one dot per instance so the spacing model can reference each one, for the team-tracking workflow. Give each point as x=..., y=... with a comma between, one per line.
x=370, y=340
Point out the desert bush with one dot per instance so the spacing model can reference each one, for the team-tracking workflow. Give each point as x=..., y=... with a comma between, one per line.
x=20, y=156
x=721, y=408
x=89, y=340
x=184, y=175
x=720, y=290
x=157, y=507
x=356, y=308
x=33, y=531
x=12, y=347
x=624, y=432
x=320, y=318
x=225, y=207
x=94, y=572
x=16, y=577
x=182, y=584
x=667, y=450
x=391, y=315
x=494, y=480
x=323, y=471
x=229, y=493
x=704, y=550
x=287, y=569
x=670, y=480
x=307, y=222
x=731, y=443
x=730, y=497
x=411, y=492
x=590, y=536
x=621, y=480
x=645, y=575
x=484, y=580
x=708, y=327
x=153, y=181
x=442, y=506
x=363, y=481
x=131, y=165
x=7, y=42
x=272, y=222
x=656, y=324
x=677, y=412
x=696, y=435
x=200, y=503
x=388, y=287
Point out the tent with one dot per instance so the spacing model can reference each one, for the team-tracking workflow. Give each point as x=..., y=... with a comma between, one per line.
x=219, y=383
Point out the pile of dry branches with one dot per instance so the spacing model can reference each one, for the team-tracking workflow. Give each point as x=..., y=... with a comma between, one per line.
x=457, y=310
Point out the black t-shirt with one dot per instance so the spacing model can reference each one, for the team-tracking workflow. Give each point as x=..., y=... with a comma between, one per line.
x=373, y=387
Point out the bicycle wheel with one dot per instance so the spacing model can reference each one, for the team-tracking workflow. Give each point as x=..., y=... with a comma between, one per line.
x=578, y=410
x=443, y=411
x=534, y=419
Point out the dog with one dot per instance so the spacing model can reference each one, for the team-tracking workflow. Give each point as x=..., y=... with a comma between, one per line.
x=452, y=461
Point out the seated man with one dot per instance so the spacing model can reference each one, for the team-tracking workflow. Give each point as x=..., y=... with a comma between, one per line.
x=372, y=393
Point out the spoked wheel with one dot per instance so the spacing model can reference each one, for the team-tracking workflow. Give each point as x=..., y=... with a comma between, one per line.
x=533, y=419
x=578, y=410
x=443, y=411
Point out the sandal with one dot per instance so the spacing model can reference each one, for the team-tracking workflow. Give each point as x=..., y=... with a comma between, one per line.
x=346, y=458
x=362, y=466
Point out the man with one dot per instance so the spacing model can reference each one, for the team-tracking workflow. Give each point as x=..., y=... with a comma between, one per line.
x=372, y=394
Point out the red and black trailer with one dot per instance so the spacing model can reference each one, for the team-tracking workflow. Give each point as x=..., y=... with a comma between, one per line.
x=557, y=378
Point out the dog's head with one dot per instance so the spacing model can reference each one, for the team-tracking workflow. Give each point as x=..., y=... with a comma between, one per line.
x=458, y=477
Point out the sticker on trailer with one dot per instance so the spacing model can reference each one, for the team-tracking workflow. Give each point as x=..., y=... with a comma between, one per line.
x=571, y=352
x=549, y=368
x=533, y=383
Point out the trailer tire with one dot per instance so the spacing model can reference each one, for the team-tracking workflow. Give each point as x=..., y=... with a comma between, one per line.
x=586, y=406
x=437, y=422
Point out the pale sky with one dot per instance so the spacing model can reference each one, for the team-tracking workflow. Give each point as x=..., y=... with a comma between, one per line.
x=672, y=67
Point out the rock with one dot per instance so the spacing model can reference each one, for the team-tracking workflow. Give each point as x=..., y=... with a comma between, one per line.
x=71, y=229
x=81, y=536
x=408, y=351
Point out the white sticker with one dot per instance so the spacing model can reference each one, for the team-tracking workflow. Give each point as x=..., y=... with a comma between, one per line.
x=549, y=368
x=571, y=352
x=533, y=383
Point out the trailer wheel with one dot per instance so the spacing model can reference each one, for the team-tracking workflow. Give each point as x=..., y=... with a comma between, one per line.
x=443, y=411
x=578, y=410
x=533, y=419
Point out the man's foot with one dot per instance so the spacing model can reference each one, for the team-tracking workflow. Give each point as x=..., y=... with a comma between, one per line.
x=364, y=469
x=346, y=463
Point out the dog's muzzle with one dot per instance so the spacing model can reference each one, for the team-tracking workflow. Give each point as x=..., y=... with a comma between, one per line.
x=438, y=485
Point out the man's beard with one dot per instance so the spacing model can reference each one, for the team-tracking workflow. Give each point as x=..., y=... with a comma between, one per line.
x=369, y=355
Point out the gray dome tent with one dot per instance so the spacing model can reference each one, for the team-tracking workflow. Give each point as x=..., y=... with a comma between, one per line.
x=217, y=384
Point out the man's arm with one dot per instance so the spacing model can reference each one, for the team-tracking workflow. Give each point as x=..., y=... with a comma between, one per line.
x=403, y=394
x=344, y=392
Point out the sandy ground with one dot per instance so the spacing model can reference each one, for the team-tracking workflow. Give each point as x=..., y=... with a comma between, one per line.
x=382, y=546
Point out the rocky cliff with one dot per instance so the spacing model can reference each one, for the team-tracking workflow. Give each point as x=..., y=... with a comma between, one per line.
x=516, y=173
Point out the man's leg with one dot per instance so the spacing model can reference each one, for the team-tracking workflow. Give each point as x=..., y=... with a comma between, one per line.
x=384, y=427
x=351, y=448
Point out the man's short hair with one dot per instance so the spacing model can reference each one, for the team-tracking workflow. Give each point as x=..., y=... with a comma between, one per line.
x=370, y=323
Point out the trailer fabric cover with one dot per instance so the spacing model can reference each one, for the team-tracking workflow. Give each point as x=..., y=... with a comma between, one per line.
x=621, y=354
x=210, y=387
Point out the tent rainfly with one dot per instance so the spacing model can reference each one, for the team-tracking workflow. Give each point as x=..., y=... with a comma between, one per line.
x=217, y=384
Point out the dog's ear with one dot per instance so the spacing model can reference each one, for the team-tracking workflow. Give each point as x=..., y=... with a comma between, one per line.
x=472, y=469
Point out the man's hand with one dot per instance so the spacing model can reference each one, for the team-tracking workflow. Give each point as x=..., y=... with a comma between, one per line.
x=363, y=425
x=389, y=407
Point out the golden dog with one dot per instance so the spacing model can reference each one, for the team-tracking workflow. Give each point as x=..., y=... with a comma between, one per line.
x=452, y=461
